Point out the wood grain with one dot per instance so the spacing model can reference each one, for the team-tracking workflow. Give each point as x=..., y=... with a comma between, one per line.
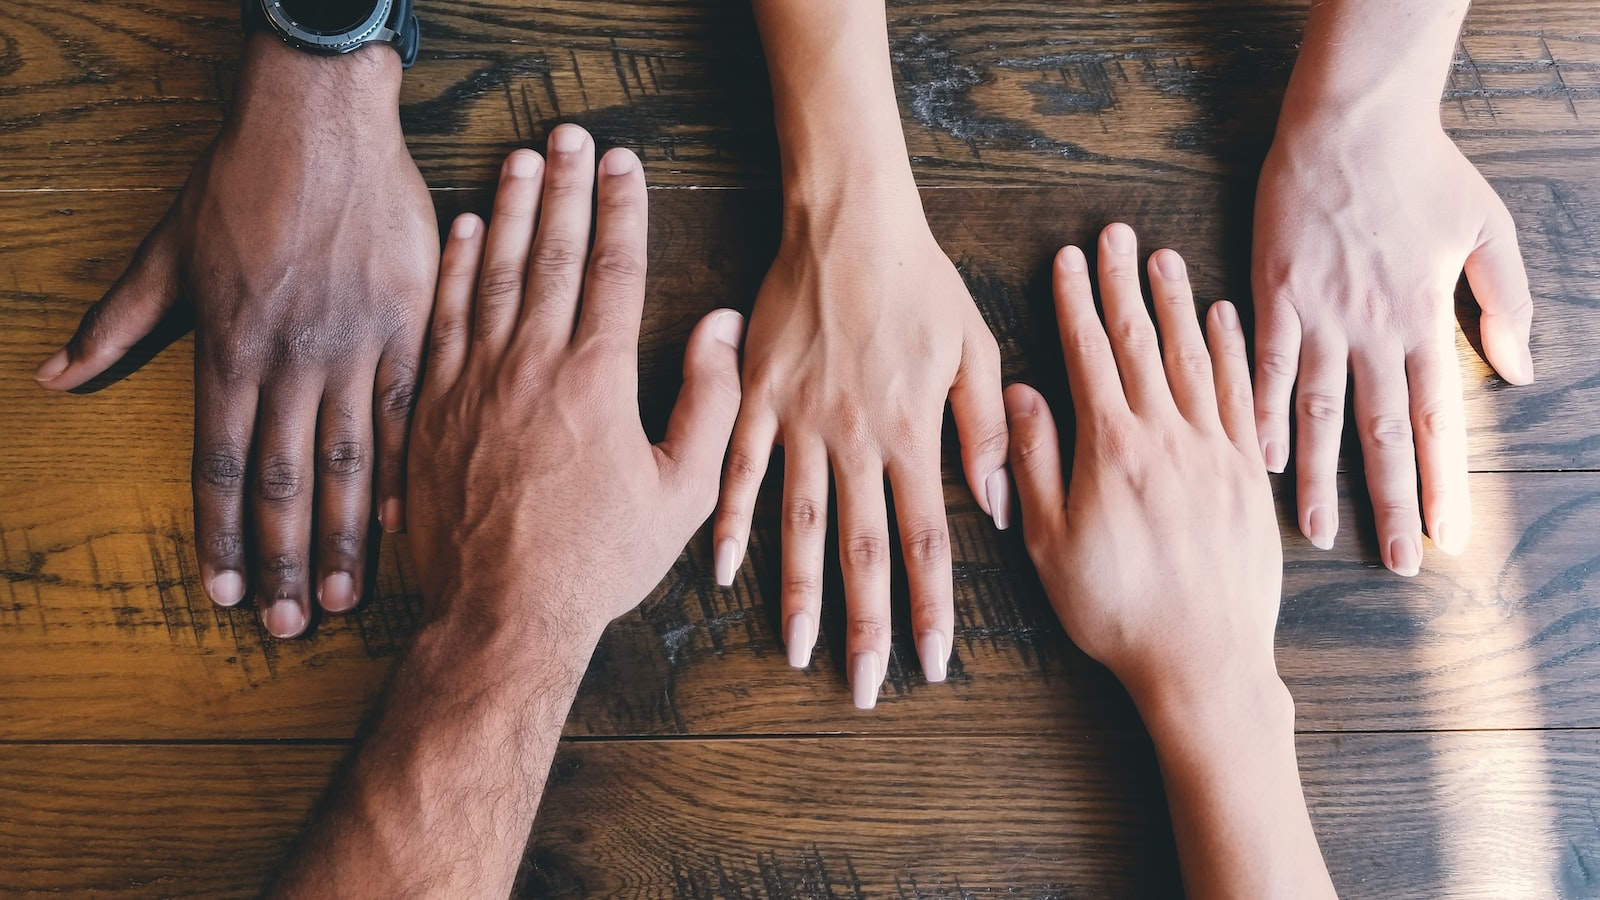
x=1461, y=814
x=105, y=635
x=1030, y=92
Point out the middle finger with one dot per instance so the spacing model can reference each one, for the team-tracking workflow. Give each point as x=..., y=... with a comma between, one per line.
x=285, y=445
x=864, y=562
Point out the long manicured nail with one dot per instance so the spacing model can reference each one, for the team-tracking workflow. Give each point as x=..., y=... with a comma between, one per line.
x=284, y=619
x=1170, y=265
x=391, y=515
x=935, y=655
x=1405, y=556
x=866, y=674
x=1322, y=524
x=727, y=561
x=50, y=368
x=226, y=588
x=998, y=488
x=1275, y=456
x=1119, y=238
x=729, y=328
x=338, y=592
x=799, y=636
x=566, y=139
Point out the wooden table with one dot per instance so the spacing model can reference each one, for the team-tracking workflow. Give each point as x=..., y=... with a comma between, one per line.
x=153, y=745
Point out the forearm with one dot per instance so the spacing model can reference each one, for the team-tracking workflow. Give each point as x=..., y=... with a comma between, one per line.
x=833, y=97
x=1233, y=786
x=1374, y=57
x=442, y=794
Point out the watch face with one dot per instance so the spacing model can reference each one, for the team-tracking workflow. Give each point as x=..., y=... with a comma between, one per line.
x=328, y=16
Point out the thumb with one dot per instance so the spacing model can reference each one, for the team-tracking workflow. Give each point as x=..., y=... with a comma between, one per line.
x=129, y=311
x=1035, y=460
x=1500, y=282
x=702, y=421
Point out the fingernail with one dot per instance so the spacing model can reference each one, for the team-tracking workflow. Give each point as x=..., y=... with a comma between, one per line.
x=799, y=635
x=464, y=227
x=1321, y=527
x=566, y=139
x=1405, y=556
x=1170, y=264
x=284, y=619
x=998, y=488
x=935, y=655
x=226, y=588
x=391, y=515
x=1227, y=316
x=1119, y=238
x=522, y=165
x=50, y=368
x=866, y=673
x=1275, y=456
x=1020, y=403
x=727, y=561
x=729, y=328
x=338, y=592
x=1072, y=259
x=618, y=162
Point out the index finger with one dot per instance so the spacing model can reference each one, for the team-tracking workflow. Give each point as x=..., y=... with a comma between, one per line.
x=1091, y=369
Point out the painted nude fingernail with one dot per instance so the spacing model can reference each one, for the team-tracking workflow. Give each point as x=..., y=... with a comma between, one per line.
x=866, y=673
x=1321, y=527
x=338, y=592
x=729, y=328
x=1405, y=556
x=998, y=489
x=1275, y=456
x=226, y=588
x=935, y=655
x=799, y=636
x=284, y=619
x=727, y=561
x=50, y=368
x=391, y=515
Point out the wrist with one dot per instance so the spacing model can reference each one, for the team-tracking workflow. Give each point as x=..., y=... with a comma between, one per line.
x=1206, y=716
x=280, y=85
x=512, y=632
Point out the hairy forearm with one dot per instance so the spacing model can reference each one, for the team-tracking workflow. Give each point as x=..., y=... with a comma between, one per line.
x=833, y=97
x=441, y=795
x=1233, y=786
x=1374, y=57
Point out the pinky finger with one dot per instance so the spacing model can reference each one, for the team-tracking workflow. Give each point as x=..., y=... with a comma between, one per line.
x=1230, y=368
x=452, y=308
x=396, y=395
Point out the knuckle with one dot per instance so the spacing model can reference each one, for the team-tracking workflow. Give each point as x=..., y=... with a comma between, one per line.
x=1031, y=456
x=280, y=480
x=450, y=330
x=1192, y=361
x=866, y=552
x=1389, y=432
x=1275, y=363
x=994, y=442
x=1134, y=333
x=224, y=545
x=1119, y=448
x=1438, y=422
x=344, y=458
x=803, y=515
x=341, y=543
x=557, y=253
x=500, y=284
x=399, y=395
x=867, y=631
x=1321, y=407
x=616, y=266
x=221, y=470
x=284, y=568
x=927, y=545
x=743, y=467
x=801, y=584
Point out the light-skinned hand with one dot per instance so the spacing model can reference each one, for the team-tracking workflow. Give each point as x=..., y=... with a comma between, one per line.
x=534, y=493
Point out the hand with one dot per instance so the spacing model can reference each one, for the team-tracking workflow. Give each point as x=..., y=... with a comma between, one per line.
x=1163, y=557
x=306, y=242
x=861, y=330
x=535, y=496
x=1360, y=236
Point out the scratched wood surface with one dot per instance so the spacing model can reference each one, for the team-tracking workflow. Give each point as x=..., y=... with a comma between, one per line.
x=1446, y=744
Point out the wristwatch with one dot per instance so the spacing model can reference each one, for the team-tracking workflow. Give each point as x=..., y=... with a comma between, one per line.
x=336, y=26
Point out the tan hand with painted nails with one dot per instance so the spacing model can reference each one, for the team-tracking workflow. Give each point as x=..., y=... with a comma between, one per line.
x=1162, y=559
x=861, y=331
x=1366, y=216
x=531, y=476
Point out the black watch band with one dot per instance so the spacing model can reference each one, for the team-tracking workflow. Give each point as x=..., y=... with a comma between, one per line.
x=391, y=22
